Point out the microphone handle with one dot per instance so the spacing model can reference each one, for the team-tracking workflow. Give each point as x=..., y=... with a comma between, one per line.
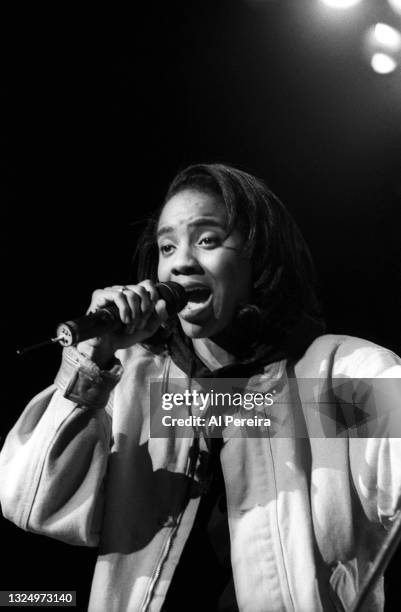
x=91, y=325
x=107, y=319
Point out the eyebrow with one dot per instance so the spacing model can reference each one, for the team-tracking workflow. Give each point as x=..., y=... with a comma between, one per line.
x=199, y=222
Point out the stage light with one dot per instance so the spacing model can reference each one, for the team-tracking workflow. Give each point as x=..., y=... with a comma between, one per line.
x=387, y=36
x=340, y=4
x=383, y=63
x=382, y=46
x=396, y=5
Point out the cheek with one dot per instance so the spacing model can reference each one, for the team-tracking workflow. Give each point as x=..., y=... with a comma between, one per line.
x=161, y=271
x=236, y=276
x=230, y=277
x=233, y=286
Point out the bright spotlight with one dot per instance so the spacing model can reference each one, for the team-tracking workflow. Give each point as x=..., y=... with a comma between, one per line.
x=387, y=37
x=382, y=46
x=396, y=5
x=383, y=63
x=340, y=4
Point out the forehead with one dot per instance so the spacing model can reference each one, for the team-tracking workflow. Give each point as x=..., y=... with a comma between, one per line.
x=188, y=206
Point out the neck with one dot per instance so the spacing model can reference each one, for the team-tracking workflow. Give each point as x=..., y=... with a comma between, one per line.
x=212, y=355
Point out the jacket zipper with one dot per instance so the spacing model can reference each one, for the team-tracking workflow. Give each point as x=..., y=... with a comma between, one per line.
x=157, y=570
x=190, y=473
x=167, y=545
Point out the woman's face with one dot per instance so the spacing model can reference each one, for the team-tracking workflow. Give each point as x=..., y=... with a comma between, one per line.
x=195, y=251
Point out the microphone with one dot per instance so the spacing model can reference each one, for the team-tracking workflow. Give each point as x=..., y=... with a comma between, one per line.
x=107, y=319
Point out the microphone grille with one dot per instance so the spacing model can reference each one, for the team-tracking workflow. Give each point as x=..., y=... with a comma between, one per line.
x=174, y=294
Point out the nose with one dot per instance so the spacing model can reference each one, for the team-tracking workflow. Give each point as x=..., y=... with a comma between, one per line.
x=185, y=262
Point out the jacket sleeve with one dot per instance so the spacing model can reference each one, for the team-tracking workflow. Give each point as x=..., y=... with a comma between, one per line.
x=375, y=449
x=54, y=460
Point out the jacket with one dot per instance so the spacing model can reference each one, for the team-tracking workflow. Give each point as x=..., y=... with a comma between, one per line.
x=307, y=513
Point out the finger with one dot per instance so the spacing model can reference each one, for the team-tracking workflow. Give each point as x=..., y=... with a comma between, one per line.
x=145, y=300
x=151, y=289
x=134, y=303
x=124, y=308
x=161, y=310
x=100, y=298
x=141, y=307
x=103, y=297
x=133, y=296
x=157, y=318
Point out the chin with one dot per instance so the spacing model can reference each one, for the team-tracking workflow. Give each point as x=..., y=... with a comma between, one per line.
x=198, y=330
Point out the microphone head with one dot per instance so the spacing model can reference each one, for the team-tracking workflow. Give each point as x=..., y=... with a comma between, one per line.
x=174, y=294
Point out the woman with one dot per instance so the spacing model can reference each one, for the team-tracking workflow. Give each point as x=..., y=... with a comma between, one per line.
x=305, y=509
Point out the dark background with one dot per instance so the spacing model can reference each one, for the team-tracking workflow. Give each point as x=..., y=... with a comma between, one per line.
x=101, y=110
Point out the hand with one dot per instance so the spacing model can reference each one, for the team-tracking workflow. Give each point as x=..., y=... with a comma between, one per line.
x=141, y=311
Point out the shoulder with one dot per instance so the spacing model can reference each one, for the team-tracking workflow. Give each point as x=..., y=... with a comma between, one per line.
x=342, y=355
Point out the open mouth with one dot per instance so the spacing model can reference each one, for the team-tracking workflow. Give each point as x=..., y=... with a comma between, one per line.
x=198, y=295
x=200, y=298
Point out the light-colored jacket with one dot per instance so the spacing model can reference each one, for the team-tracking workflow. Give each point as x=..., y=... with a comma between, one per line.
x=307, y=514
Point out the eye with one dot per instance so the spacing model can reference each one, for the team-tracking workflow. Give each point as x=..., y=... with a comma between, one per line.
x=210, y=241
x=166, y=249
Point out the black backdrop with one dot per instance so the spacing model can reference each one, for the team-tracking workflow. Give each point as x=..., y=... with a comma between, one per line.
x=101, y=110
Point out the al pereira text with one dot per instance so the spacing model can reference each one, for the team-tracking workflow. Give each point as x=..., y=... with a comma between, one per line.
x=221, y=420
